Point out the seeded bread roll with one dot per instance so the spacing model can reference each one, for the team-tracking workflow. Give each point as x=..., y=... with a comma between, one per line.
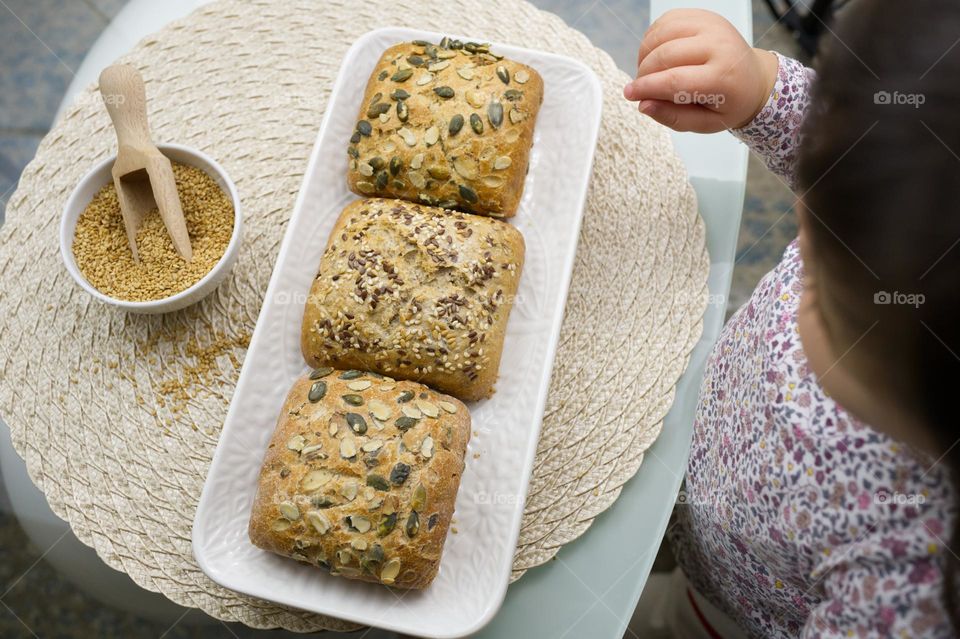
x=415, y=292
x=361, y=476
x=448, y=125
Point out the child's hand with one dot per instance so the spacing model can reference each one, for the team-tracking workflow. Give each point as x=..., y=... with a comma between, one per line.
x=696, y=73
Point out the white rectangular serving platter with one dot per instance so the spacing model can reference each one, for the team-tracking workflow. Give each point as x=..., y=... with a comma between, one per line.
x=479, y=550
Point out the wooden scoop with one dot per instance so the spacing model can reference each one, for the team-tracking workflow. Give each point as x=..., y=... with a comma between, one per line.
x=142, y=175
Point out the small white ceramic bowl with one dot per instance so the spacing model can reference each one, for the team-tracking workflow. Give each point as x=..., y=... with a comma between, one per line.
x=100, y=176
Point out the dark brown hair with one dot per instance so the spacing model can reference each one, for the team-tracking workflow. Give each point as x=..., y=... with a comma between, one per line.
x=880, y=176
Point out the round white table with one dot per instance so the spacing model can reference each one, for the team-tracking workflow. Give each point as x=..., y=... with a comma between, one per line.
x=590, y=590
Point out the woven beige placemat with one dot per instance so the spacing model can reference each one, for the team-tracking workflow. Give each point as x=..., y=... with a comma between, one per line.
x=117, y=415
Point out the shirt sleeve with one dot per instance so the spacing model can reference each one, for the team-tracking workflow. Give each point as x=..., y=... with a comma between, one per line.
x=774, y=133
x=889, y=585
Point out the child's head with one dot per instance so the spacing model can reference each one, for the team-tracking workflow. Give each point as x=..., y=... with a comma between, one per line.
x=880, y=227
x=880, y=176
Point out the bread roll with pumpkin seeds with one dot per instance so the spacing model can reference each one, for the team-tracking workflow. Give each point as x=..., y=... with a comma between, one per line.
x=448, y=125
x=361, y=476
x=415, y=292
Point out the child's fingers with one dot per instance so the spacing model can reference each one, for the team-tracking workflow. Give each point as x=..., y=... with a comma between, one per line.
x=675, y=53
x=673, y=85
x=683, y=117
x=660, y=32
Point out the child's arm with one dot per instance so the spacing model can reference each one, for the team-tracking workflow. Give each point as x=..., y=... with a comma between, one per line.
x=775, y=132
x=696, y=73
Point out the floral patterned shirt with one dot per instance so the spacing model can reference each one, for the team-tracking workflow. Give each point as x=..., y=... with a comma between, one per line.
x=799, y=520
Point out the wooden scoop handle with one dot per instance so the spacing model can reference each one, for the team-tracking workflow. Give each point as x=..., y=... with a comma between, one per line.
x=123, y=92
x=121, y=87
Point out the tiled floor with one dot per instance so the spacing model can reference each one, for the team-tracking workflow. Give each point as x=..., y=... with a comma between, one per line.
x=42, y=41
x=769, y=223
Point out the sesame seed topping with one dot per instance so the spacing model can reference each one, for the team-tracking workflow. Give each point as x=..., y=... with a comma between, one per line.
x=414, y=287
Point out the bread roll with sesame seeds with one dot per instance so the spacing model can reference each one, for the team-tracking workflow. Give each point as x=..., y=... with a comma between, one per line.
x=360, y=477
x=415, y=292
x=447, y=125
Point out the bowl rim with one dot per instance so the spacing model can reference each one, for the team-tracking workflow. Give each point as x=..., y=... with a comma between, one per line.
x=68, y=230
